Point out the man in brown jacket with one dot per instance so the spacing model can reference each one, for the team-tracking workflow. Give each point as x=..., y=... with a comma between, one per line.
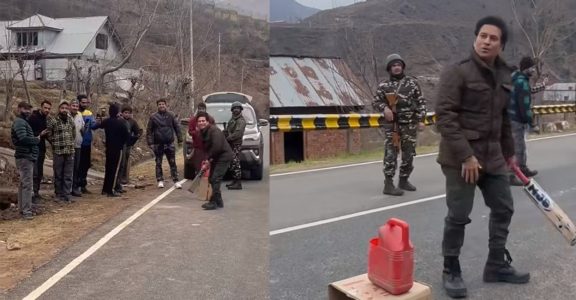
x=475, y=150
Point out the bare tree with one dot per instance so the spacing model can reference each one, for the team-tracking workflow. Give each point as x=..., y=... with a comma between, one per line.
x=544, y=24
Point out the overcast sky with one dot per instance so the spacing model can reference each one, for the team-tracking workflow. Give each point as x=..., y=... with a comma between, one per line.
x=327, y=4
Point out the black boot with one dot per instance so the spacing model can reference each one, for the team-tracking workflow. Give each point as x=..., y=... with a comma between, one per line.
x=219, y=201
x=211, y=205
x=498, y=268
x=236, y=185
x=390, y=189
x=452, y=278
x=528, y=172
x=406, y=185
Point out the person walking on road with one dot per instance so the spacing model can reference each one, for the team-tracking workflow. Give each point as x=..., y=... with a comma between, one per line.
x=198, y=153
x=476, y=150
x=26, y=153
x=160, y=132
x=117, y=135
x=62, y=136
x=234, y=135
x=402, y=102
x=38, y=121
x=218, y=158
x=520, y=112
x=135, y=134
x=86, y=147
x=79, y=125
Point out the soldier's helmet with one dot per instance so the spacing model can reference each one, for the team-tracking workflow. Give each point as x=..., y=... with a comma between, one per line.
x=236, y=104
x=392, y=58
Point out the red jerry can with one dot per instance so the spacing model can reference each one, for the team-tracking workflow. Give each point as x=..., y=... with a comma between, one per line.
x=391, y=258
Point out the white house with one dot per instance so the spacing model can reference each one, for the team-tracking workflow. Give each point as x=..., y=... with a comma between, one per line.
x=48, y=45
x=562, y=92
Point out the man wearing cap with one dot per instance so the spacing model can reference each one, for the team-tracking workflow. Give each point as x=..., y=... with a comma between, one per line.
x=62, y=136
x=520, y=112
x=26, y=153
x=402, y=102
x=234, y=135
x=476, y=150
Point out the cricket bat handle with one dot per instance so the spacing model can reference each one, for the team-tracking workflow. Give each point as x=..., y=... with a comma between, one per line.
x=525, y=180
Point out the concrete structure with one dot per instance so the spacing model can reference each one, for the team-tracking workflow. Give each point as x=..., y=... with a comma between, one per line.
x=49, y=45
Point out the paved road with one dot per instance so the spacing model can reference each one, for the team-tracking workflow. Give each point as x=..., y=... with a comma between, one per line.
x=176, y=250
x=304, y=262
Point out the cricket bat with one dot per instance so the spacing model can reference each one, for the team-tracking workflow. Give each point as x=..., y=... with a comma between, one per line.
x=553, y=212
x=196, y=181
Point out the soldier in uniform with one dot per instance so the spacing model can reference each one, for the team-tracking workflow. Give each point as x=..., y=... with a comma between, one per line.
x=234, y=134
x=401, y=100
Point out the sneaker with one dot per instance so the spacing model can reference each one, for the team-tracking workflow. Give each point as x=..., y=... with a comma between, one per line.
x=177, y=185
x=160, y=184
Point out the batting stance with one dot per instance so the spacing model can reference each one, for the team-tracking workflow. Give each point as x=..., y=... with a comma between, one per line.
x=476, y=145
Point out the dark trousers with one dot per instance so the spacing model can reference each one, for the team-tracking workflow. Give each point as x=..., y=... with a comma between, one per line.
x=124, y=165
x=39, y=167
x=519, y=135
x=170, y=152
x=63, y=175
x=76, y=176
x=84, y=166
x=460, y=199
x=111, y=169
x=217, y=172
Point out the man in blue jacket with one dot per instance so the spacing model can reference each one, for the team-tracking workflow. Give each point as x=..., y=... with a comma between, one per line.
x=520, y=112
x=86, y=147
x=26, y=154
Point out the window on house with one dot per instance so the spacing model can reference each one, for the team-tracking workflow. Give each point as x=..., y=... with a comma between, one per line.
x=27, y=39
x=102, y=41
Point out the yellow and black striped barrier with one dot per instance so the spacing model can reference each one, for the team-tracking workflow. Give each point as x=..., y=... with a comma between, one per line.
x=346, y=121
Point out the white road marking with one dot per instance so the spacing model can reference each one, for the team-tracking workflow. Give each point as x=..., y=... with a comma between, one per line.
x=78, y=260
x=380, y=161
x=354, y=215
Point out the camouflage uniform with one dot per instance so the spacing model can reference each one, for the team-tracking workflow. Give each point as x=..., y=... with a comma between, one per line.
x=234, y=135
x=410, y=110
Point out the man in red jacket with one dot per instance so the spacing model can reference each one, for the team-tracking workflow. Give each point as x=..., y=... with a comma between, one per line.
x=198, y=153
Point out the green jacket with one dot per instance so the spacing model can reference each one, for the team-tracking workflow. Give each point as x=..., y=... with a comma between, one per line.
x=235, y=130
x=25, y=143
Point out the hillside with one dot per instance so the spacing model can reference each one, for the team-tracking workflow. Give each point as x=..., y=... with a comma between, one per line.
x=165, y=47
x=428, y=33
x=289, y=11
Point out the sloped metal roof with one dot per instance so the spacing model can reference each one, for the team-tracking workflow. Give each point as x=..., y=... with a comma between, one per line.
x=307, y=82
x=36, y=21
x=74, y=36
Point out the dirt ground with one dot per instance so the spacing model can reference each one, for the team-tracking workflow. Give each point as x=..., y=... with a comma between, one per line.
x=58, y=226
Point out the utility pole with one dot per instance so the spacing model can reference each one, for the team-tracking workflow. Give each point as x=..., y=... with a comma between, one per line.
x=191, y=57
x=219, y=49
x=242, y=79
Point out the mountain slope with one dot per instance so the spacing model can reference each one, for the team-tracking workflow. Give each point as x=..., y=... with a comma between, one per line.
x=289, y=11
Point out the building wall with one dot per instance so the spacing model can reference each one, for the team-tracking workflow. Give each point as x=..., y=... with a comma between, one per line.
x=276, y=148
x=11, y=66
x=110, y=54
x=54, y=69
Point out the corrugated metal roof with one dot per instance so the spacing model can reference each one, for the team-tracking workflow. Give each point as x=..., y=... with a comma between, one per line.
x=74, y=37
x=37, y=21
x=306, y=82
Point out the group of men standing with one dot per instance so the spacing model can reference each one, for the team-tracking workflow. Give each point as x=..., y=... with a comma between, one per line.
x=69, y=134
x=483, y=112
